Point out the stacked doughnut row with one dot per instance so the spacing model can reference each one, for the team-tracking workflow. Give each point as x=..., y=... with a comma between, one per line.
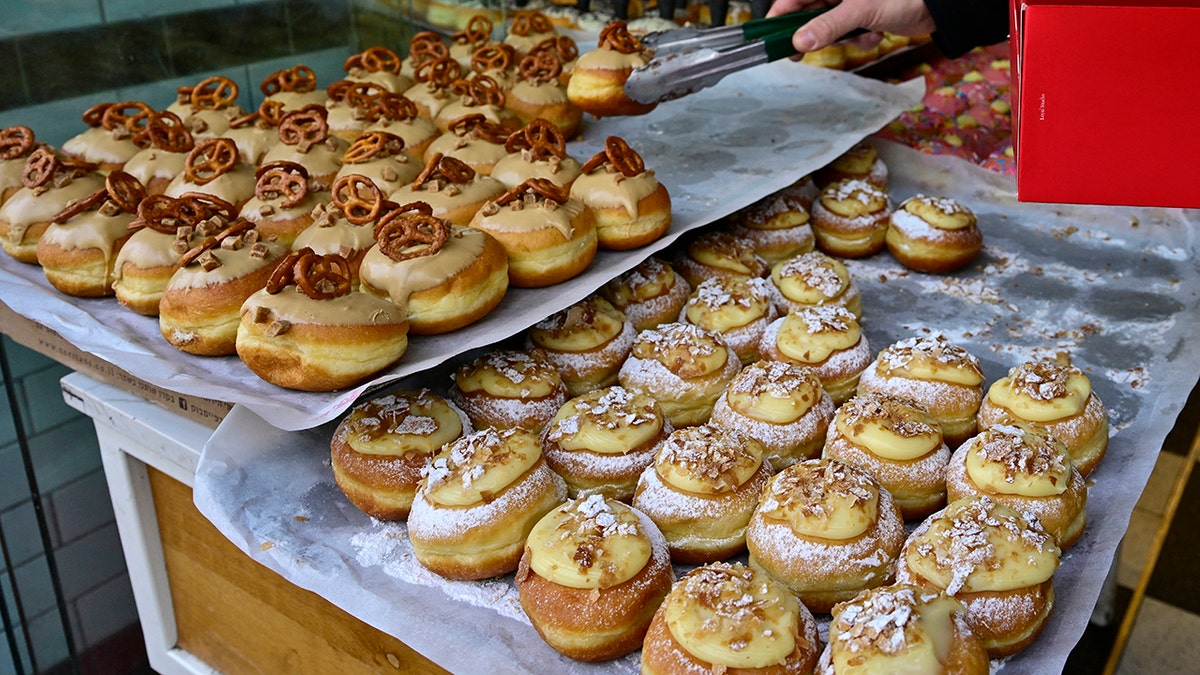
x=313, y=235
x=704, y=455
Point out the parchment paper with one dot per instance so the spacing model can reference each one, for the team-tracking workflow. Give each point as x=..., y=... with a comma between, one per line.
x=1116, y=288
x=716, y=152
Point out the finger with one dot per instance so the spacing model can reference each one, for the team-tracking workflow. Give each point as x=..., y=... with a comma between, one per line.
x=826, y=28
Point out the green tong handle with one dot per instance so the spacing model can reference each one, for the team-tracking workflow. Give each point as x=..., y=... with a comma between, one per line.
x=761, y=28
x=778, y=43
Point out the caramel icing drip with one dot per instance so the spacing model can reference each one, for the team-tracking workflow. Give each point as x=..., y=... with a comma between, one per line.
x=708, y=459
x=401, y=279
x=529, y=215
x=91, y=230
x=330, y=232
x=233, y=264
x=611, y=59
x=609, y=188
x=106, y=146
x=27, y=207
x=295, y=307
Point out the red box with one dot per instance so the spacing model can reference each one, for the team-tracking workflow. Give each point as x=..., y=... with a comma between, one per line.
x=1106, y=102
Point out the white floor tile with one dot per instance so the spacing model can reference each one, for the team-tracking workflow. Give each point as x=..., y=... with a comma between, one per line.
x=1165, y=640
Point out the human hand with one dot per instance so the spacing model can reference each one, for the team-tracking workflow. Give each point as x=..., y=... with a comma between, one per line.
x=902, y=17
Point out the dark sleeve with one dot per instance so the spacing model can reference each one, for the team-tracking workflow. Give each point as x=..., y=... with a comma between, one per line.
x=962, y=25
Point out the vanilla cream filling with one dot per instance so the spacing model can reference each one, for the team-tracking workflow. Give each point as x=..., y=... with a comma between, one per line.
x=703, y=460
x=421, y=424
x=1020, y=403
x=910, y=636
x=798, y=339
x=473, y=469
x=607, y=421
x=589, y=543
x=881, y=438
x=509, y=378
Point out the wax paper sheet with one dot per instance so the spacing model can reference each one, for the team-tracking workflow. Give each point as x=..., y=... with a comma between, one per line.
x=1117, y=289
x=716, y=152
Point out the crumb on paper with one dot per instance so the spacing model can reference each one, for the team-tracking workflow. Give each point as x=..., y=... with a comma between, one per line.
x=302, y=519
x=266, y=546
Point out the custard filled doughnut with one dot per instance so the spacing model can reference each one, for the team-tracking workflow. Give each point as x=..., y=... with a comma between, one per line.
x=528, y=28
x=474, y=141
x=165, y=229
x=168, y=143
x=454, y=190
x=16, y=144
x=650, y=294
x=684, y=367
x=549, y=236
x=379, y=449
x=445, y=275
x=537, y=150
x=214, y=167
x=738, y=308
x=541, y=94
x=380, y=156
x=304, y=138
x=1054, y=397
x=48, y=185
x=587, y=342
x=310, y=329
x=380, y=66
x=933, y=234
x=902, y=629
x=827, y=339
x=602, y=440
x=345, y=225
x=813, y=279
x=597, y=82
x=1027, y=469
x=718, y=253
x=632, y=208
x=850, y=219
x=111, y=138
x=780, y=405
x=78, y=251
x=776, y=226
x=201, y=306
x=826, y=530
x=283, y=202
x=804, y=190
x=861, y=161
x=397, y=115
x=932, y=371
x=701, y=491
x=478, y=500
x=726, y=617
x=898, y=442
x=508, y=388
x=480, y=94
x=997, y=562
x=592, y=575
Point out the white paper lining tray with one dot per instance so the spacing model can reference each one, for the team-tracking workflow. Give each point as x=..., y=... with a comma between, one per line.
x=716, y=152
x=1115, y=288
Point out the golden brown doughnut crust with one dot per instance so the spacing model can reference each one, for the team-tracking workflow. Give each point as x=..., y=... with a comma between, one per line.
x=383, y=485
x=814, y=278
x=807, y=327
x=597, y=83
x=718, y=253
x=515, y=372
x=739, y=308
x=597, y=624
x=587, y=342
x=650, y=294
x=777, y=226
x=918, y=235
x=850, y=219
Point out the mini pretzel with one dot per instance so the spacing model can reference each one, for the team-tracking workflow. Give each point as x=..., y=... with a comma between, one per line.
x=373, y=144
x=480, y=90
x=159, y=213
x=213, y=93
x=481, y=126
x=15, y=142
x=493, y=57
x=541, y=67
x=284, y=272
x=392, y=107
x=127, y=114
x=235, y=229
x=338, y=90
x=197, y=206
x=348, y=196
x=426, y=46
x=282, y=179
x=541, y=138
x=322, y=277
x=269, y=113
x=477, y=32
x=298, y=78
x=380, y=60
x=528, y=22
x=440, y=71
x=450, y=168
x=404, y=235
x=363, y=94
x=563, y=45
x=79, y=206
x=212, y=157
x=168, y=133
x=617, y=152
x=616, y=36
x=304, y=128
x=94, y=116
x=540, y=186
x=124, y=190
x=40, y=168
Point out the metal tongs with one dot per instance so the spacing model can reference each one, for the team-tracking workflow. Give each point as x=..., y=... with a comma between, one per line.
x=689, y=59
